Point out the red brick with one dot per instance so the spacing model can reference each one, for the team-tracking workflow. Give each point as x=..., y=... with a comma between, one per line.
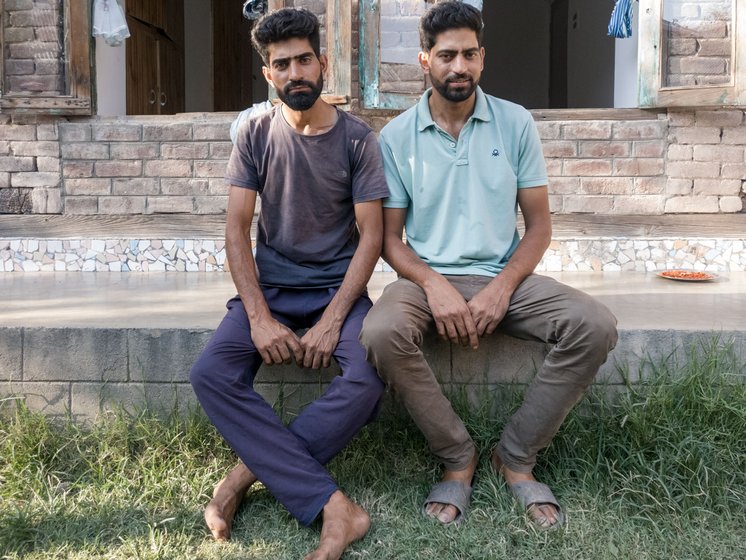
x=638, y=166
x=557, y=148
x=168, y=168
x=564, y=185
x=680, y=152
x=135, y=186
x=87, y=186
x=170, y=205
x=650, y=185
x=679, y=186
x=637, y=130
x=77, y=169
x=209, y=168
x=124, y=168
x=185, y=150
x=587, y=130
x=587, y=204
x=649, y=148
x=583, y=167
x=594, y=149
x=134, y=150
x=607, y=185
x=117, y=132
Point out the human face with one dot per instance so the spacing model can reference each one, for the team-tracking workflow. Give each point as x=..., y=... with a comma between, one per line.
x=296, y=73
x=455, y=64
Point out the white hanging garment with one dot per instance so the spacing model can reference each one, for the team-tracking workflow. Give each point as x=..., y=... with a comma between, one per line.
x=109, y=22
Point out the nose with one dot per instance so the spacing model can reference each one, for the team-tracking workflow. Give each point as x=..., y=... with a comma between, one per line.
x=295, y=71
x=459, y=64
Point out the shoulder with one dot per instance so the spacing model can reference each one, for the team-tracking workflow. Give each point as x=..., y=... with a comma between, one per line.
x=400, y=125
x=354, y=127
x=508, y=112
x=255, y=126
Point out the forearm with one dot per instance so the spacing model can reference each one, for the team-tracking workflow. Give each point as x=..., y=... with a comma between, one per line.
x=526, y=257
x=406, y=262
x=243, y=272
x=355, y=280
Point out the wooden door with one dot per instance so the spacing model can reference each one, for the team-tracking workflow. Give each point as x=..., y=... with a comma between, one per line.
x=155, y=57
x=142, y=69
x=232, y=56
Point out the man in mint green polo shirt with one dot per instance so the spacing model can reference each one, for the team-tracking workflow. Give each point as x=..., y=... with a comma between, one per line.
x=458, y=166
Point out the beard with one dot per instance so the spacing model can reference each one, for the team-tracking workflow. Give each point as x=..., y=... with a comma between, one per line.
x=455, y=94
x=301, y=100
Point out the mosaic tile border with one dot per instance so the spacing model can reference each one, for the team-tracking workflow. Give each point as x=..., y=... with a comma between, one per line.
x=208, y=255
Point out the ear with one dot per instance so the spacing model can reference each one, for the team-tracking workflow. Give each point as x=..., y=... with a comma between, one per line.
x=424, y=60
x=324, y=62
x=267, y=75
x=481, y=51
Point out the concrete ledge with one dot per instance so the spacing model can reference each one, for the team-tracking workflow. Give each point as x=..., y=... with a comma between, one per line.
x=86, y=372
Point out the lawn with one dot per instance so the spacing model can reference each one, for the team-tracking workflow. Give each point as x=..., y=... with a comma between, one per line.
x=660, y=473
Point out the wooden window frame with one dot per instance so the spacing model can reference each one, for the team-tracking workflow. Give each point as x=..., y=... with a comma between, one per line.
x=78, y=69
x=338, y=49
x=652, y=93
x=371, y=96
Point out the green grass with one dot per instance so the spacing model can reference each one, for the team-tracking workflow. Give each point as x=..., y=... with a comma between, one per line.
x=658, y=473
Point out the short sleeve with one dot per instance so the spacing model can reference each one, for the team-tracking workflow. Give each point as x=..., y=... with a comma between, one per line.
x=368, y=180
x=398, y=196
x=241, y=170
x=532, y=170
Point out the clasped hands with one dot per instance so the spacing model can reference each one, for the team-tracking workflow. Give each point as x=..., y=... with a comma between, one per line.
x=464, y=322
x=277, y=344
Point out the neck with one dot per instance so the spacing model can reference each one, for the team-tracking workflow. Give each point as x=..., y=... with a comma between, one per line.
x=316, y=120
x=451, y=115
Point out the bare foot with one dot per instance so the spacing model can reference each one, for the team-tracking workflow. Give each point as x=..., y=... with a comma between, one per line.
x=226, y=498
x=344, y=523
x=446, y=513
x=544, y=515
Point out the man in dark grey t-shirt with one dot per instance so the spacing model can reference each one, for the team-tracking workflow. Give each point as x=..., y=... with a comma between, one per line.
x=319, y=174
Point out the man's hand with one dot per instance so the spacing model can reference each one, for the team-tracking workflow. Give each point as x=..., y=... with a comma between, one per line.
x=318, y=344
x=452, y=315
x=276, y=343
x=488, y=307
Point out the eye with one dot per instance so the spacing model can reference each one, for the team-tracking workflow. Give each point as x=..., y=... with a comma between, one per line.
x=280, y=65
x=306, y=59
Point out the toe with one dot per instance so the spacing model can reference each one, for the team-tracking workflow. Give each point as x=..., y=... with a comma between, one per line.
x=448, y=514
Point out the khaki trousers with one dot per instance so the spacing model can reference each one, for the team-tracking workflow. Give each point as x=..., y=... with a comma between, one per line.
x=581, y=330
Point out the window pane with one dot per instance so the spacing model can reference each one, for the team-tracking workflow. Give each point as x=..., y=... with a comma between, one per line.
x=399, y=70
x=33, y=48
x=696, y=43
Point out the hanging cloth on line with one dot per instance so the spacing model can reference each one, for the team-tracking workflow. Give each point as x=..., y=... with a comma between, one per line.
x=109, y=22
x=620, y=25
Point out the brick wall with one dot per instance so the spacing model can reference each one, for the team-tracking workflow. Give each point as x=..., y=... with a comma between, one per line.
x=32, y=47
x=682, y=162
x=697, y=42
x=145, y=165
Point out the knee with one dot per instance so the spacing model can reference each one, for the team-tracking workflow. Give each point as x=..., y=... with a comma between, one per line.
x=202, y=375
x=594, y=325
x=384, y=337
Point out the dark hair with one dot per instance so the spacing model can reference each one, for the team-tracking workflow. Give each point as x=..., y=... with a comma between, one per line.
x=445, y=16
x=284, y=24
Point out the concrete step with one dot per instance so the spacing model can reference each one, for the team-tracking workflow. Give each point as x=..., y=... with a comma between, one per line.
x=84, y=343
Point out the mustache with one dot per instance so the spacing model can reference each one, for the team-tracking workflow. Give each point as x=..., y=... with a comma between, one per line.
x=458, y=78
x=299, y=83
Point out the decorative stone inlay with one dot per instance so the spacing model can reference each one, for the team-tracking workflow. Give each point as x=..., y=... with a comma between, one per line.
x=207, y=255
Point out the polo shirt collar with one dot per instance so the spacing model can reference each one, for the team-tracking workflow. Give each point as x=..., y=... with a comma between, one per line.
x=425, y=120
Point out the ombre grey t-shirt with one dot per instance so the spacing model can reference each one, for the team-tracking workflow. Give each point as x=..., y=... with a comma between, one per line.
x=308, y=186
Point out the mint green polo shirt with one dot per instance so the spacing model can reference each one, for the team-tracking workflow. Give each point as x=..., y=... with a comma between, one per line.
x=461, y=195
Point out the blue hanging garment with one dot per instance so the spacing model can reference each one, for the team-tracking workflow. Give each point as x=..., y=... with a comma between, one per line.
x=620, y=25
